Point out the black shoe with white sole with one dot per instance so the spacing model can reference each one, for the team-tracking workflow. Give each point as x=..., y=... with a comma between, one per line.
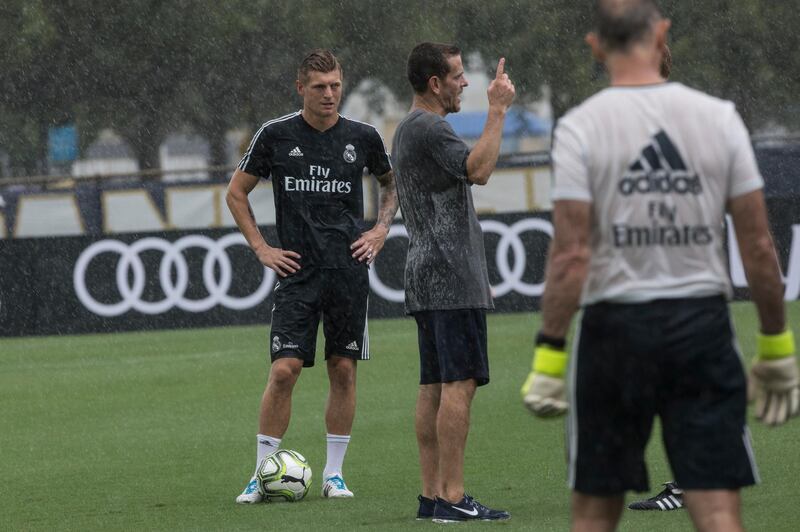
x=670, y=498
x=467, y=509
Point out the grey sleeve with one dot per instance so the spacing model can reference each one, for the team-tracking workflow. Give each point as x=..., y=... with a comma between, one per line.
x=447, y=149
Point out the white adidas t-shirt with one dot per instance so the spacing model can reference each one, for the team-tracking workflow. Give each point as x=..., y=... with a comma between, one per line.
x=658, y=163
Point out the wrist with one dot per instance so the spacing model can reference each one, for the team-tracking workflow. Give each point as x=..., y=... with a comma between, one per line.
x=498, y=109
x=261, y=247
x=772, y=346
x=552, y=341
x=549, y=361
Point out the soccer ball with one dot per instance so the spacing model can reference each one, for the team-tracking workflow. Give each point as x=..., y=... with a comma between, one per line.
x=284, y=476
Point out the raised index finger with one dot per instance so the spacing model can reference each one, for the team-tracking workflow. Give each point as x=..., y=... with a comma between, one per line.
x=500, y=68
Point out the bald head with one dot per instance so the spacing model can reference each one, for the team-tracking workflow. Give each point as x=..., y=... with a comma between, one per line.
x=622, y=23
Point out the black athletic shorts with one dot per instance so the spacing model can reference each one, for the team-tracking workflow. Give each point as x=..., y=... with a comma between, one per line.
x=339, y=296
x=673, y=358
x=452, y=346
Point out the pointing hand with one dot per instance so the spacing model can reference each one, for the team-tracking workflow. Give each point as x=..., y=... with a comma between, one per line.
x=501, y=90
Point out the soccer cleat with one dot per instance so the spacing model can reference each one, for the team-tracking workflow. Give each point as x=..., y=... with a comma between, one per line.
x=334, y=487
x=251, y=493
x=426, y=507
x=467, y=509
x=670, y=498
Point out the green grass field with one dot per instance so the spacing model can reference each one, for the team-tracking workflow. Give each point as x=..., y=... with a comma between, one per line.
x=155, y=431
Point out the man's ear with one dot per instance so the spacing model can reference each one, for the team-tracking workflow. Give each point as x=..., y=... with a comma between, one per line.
x=593, y=41
x=660, y=30
x=299, y=86
x=435, y=84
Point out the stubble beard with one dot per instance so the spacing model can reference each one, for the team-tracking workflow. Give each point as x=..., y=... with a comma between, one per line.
x=327, y=111
x=453, y=105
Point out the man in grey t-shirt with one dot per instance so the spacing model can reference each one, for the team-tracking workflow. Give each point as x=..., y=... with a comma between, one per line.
x=447, y=285
x=446, y=263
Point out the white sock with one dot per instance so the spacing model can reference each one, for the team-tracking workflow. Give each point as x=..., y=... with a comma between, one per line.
x=265, y=446
x=337, y=446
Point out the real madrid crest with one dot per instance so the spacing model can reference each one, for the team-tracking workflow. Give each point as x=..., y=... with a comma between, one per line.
x=349, y=153
x=276, y=344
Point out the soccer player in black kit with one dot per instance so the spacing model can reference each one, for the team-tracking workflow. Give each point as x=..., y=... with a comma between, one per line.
x=315, y=159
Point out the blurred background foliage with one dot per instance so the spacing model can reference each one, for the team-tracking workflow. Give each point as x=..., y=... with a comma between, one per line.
x=149, y=67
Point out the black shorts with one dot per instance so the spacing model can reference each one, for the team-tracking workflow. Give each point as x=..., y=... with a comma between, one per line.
x=339, y=296
x=452, y=346
x=673, y=358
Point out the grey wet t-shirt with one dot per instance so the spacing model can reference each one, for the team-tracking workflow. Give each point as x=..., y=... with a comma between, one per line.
x=446, y=264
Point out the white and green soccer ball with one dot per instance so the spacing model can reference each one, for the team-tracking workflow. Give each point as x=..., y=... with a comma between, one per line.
x=284, y=476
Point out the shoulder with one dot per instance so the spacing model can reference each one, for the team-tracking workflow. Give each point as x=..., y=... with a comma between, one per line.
x=432, y=120
x=423, y=121
x=710, y=110
x=436, y=129
x=359, y=128
x=691, y=96
x=684, y=91
x=575, y=122
x=276, y=125
x=596, y=102
x=365, y=134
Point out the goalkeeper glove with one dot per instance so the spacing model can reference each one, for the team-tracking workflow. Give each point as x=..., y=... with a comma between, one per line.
x=543, y=391
x=774, y=382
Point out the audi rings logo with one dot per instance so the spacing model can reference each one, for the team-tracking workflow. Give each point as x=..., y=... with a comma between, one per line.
x=509, y=241
x=510, y=255
x=130, y=276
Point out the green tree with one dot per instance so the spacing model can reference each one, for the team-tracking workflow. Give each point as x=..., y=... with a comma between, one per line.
x=542, y=42
x=41, y=78
x=149, y=67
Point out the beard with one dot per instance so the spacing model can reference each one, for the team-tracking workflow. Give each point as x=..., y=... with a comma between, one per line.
x=452, y=105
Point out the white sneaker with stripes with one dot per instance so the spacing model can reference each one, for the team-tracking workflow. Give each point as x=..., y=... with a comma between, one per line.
x=670, y=498
x=251, y=493
x=334, y=487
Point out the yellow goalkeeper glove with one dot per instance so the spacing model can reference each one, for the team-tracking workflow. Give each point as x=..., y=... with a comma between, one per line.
x=774, y=381
x=544, y=392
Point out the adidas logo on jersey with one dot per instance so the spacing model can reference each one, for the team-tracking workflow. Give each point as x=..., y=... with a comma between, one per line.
x=659, y=168
x=296, y=152
x=352, y=346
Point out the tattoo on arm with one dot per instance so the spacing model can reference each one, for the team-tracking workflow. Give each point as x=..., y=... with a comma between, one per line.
x=387, y=200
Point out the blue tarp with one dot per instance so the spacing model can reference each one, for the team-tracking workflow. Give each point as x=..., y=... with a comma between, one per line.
x=62, y=143
x=519, y=123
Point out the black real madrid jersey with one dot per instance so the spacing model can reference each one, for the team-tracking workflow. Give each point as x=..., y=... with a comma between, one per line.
x=316, y=178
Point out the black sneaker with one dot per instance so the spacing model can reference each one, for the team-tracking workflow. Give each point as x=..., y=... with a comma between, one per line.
x=671, y=498
x=426, y=506
x=466, y=509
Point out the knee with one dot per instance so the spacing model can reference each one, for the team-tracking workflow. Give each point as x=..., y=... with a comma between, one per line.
x=283, y=376
x=595, y=513
x=714, y=509
x=426, y=432
x=459, y=392
x=342, y=372
x=429, y=398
